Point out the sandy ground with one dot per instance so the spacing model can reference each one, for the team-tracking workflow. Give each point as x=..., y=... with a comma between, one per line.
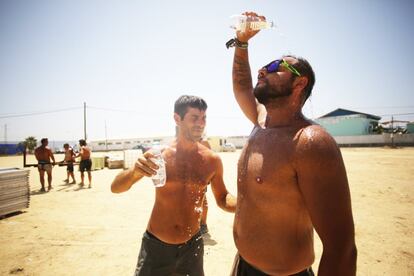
x=76, y=231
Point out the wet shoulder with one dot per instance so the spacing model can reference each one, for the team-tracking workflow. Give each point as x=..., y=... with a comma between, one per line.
x=205, y=143
x=207, y=153
x=312, y=139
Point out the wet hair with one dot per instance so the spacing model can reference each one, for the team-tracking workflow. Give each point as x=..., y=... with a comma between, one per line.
x=43, y=140
x=82, y=142
x=305, y=69
x=182, y=103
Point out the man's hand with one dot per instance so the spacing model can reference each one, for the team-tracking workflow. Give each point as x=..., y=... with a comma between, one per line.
x=248, y=33
x=144, y=166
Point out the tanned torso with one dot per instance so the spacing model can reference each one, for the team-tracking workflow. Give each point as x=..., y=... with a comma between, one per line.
x=272, y=228
x=177, y=209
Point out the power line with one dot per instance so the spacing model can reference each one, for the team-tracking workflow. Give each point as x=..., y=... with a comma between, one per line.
x=38, y=113
x=110, y=109
x=383, y=107
x=397, y=114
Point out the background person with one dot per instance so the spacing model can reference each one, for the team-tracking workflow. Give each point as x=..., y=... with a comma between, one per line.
x=69, y=160
x=85, y=162
x=43, y=156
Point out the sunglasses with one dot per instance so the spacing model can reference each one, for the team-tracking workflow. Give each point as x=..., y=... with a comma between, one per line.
x=274, y=67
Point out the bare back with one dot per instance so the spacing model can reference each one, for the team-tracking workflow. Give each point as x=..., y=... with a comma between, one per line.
x=272, y=227
x=85, y=153
x=178, y=205
x=43, y=154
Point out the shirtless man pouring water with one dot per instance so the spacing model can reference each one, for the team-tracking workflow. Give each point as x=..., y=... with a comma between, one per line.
x=291, y=176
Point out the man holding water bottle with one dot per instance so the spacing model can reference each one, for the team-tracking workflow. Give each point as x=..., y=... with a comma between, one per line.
x=291, y=176
x=173, y=244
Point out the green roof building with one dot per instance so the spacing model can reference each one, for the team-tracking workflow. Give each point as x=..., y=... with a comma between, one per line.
x=410, y=127
x=343, y=122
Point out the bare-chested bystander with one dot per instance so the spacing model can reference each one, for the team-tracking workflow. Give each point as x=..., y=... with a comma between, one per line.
x=85, y=163
x=68, y=161
x=172, y=244
x=43, y=156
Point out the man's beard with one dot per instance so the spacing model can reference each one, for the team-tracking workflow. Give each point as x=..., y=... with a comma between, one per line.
x=265, y=94
x=193, y=135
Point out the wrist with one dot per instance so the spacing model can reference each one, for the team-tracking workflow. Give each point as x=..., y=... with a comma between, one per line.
x=235, y=42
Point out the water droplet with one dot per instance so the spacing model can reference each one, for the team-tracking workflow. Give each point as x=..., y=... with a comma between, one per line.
x=239, y=179
x=259, y=180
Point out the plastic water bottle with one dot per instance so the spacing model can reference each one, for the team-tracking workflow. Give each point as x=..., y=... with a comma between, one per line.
x=242, y=22
x=160, y=178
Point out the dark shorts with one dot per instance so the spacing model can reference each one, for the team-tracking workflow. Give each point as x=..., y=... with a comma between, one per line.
x=85, y=165
x=44, y=166
x=243, y=268
x=157, y=258
x=70, y=167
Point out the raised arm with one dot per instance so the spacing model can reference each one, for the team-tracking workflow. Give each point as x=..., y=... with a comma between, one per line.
x=242, y=79
x=125, y=179
x=224, y=199
x=323, y=182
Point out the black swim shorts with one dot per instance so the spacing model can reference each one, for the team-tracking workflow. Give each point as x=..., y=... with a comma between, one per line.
x=157, y=258
x=70, y=167
x=243, y=268
x=85, y=165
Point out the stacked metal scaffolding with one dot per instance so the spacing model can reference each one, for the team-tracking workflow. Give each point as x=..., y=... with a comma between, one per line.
x=14, y=190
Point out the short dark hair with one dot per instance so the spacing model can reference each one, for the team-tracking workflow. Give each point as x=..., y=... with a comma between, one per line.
x=305, y=69
x=82, y=142
x=182, y=103
x=65, y=145
x=43, y=140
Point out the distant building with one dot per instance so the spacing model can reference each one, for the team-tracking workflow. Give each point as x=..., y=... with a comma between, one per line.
x=125, y=144
x=410, y=127
x=356, y=129
x=343, y=122
x=216, y=142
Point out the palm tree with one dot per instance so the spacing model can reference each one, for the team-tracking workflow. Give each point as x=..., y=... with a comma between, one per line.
x=30, y=143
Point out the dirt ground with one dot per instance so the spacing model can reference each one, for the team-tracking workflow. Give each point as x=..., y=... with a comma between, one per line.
x=79, y=231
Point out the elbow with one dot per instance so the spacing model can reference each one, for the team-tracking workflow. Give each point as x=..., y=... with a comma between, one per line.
x=354, y=255
x=227, y=203
x=349, y=259
x=115, y=188
x=222, y=203
x=343, y=257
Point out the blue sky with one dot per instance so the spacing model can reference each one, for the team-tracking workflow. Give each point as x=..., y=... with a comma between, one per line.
x=130, y=60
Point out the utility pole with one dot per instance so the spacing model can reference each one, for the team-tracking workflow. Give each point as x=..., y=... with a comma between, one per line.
x=84, y=120
x=392, y=131
x=5, y=133
x=106, y=138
